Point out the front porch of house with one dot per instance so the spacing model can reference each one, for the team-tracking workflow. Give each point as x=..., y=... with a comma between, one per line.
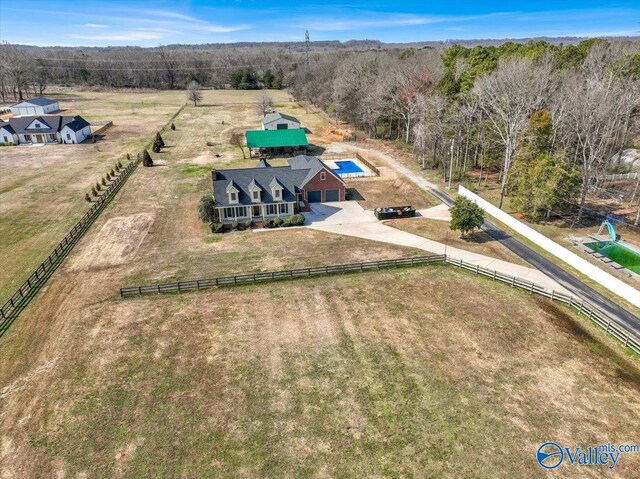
x=256, y=212
x=38, y=138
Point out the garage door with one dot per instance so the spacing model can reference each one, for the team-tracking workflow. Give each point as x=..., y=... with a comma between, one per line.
x=314, y=196
x=332, y=195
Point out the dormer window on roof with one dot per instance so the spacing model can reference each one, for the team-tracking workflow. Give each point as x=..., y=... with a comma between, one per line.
x=232, y=191
x=256, y=191
x=276, y=189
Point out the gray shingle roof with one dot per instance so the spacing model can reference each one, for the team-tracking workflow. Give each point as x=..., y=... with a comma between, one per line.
x=39, y=101
x=53, y=123
x=291, y=178
x=277, y=116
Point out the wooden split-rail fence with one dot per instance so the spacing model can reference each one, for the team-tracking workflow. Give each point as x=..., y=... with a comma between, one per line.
x=626, y=337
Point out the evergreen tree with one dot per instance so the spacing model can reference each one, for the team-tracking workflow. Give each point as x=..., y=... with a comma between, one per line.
x=146, y=159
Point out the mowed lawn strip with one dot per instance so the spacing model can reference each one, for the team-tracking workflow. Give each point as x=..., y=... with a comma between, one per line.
x=395, y=373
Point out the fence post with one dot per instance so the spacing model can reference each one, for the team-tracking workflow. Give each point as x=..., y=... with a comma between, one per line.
x=581, y=306
x=513, y=282
x=494, y=274
x=158, y=289
x=570, y=301
x=553, y=292
x=531, y=291
x=477, y=268
x=139, y=290
x=608, y=326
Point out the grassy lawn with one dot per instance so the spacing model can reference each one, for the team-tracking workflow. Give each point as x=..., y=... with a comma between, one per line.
x=387, y=374
x=388, y=189
x=42, y=189
x=477, y=242
x=424, y=372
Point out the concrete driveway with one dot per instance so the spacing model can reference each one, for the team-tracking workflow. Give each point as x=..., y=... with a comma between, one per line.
x=338, y=213
x=348, y=218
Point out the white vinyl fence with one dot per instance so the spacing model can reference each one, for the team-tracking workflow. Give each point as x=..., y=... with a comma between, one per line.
x=610, y=282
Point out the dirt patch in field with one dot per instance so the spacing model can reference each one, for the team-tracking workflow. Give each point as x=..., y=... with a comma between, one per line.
x=210, y=158
x=117, y=243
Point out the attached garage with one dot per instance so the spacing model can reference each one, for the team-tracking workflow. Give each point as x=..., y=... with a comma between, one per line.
x=314, y=196
x=332, y=195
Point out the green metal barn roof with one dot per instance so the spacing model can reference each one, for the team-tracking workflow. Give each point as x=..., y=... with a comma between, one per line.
x=276, y=138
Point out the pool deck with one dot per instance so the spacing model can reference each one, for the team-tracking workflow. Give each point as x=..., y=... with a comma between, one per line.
x=608, y=261
x=364, y=173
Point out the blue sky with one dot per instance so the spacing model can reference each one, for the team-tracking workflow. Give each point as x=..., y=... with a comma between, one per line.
x=134, y=22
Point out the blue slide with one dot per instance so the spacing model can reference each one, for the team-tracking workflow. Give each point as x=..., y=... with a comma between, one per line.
x=612, y=232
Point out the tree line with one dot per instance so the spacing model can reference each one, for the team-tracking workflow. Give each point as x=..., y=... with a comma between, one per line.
x=26, y=71
x=549, y=118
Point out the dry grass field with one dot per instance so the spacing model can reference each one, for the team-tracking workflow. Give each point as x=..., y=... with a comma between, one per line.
x=397, y=373
x=478, y=241
x=42, y=189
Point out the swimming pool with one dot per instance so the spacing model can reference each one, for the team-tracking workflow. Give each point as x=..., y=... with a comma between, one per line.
x=618, y=253
x=346, y=167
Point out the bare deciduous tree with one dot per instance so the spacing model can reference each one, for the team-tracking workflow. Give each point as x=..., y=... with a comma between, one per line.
x=596, y=118
x=193, y=93
x=264, y=103
x=237, y=139
x=508, y=96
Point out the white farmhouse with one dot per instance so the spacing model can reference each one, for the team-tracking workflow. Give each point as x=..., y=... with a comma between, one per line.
x=44, y=129
x=280, y=121
x=35, y=106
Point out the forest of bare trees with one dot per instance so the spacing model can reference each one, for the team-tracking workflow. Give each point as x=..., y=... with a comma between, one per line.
x=547, y=118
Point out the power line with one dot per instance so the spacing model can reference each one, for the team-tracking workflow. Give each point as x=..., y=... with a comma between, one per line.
x=178, y=69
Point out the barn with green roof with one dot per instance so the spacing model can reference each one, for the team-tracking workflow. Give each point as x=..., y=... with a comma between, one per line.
x=276, y=142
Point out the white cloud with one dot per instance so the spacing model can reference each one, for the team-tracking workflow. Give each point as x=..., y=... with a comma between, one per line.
x=134, y=36
x=170, y=14
x=94, y=25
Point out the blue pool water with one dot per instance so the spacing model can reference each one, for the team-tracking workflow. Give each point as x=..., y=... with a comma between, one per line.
x=347, y=166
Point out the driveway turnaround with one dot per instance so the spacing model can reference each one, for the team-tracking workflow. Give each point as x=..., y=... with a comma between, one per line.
x=348, y=218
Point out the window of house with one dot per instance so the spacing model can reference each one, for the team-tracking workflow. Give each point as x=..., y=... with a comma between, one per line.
x=241, y=211
x=323, y=176
x=6, y=140
x=276, y=194
x=272, y=209
x=228, y=212
x=256, y=195
x=284, y=208
x=37, y=125
x=68, y=136
x=233, y=196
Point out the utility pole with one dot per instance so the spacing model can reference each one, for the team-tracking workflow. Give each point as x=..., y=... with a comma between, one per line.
x=451, y=163
x=306, y=49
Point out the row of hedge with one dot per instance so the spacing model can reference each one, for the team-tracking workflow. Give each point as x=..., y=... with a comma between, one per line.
x=295, y=220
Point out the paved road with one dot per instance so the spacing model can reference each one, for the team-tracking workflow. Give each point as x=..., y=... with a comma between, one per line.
x=576, y=286
x=350, y=219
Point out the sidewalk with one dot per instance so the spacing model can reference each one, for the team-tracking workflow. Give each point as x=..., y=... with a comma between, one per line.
x=349, y=219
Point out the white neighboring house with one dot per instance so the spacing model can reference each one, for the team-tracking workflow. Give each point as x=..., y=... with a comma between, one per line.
x=35, y=106
x=44, y=129
x=280, y=121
